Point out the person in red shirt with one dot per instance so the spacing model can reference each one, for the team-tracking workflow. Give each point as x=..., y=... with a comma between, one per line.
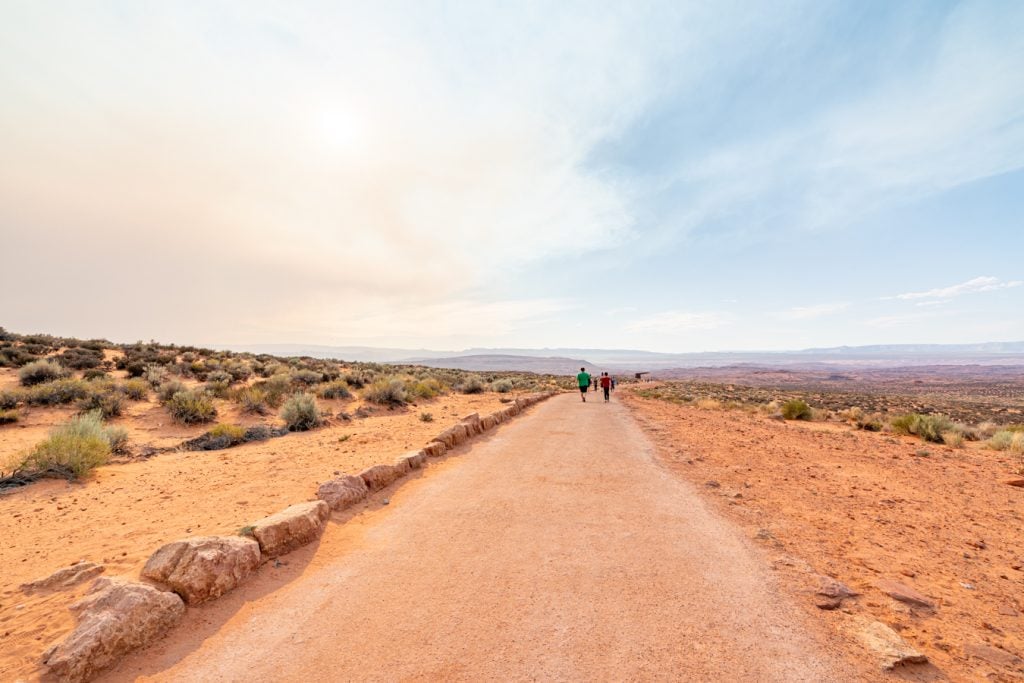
x=606, y=384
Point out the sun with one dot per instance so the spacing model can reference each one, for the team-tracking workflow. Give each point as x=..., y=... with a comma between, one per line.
x=341, y=129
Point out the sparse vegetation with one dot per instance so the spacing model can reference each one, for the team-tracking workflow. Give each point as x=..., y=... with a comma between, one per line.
x=58, y=392
x=9, y=417
x=168, y=389
x=253, y=400
x=1007, y=440
x=108, y=402
x=472, y=386
x=426, y=417
x=928, y=427
x=192, y=407
x=233, y=433
x=136, y=389
x=300, y=413
x=74, y=449
x=502, y=386
x=336, y=389
x=796, y=409
x=424, y=388
x=386, y=392
x=41, y=371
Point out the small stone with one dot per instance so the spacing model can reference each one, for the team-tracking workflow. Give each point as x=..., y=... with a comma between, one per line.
x=386, y=501
x=967, y=586
x=712, y=484
x=1016, y=482
x=892, y=650
x=904, y=593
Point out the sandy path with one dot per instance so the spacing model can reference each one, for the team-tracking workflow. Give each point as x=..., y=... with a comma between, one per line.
x=556, y=549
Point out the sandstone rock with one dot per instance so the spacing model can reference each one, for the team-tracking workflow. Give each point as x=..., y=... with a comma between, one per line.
x=830, y=588
x=1016, y=482
x=513, y=410
x=292, y=528
x=487, y=422
x=904, y=593
x=203, y=568
x=472, y=422
x=435, y=449
x=66, y=577
x=116, y=618
x=892, y=650
x=343, y=492
x=994, y=655
x=454, y=435
x=379, y=476
x=414, y=459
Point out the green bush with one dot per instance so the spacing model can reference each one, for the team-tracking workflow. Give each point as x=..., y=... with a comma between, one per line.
x=235, y=433
x=168, y=389
x=426, y=388
x=108, y=402
x=472, y=386
x=928, y=427
x=300, y=412
x=41, y=371
x=74, y=449
x=192, y=407
x=136, y=389
x=58, y=392
x=1004, y=439
x=796, y=409
x=501, y=386
x=335, y=389
x=386, y=392
x=253, y=400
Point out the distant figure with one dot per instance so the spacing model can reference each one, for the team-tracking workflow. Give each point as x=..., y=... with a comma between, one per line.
x=606, y=384
x=613, y=382
x=584, y=380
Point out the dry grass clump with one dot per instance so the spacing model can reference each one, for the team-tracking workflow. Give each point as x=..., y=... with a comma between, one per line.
x=300, y=413
x=136, y=389
x=797, y=409
x=74, y=449
x=502, y=386
x=387, y=392
x=253, y=400
x=192, y=407
x=9, y=417
x=106, y=400
x=928, y=427
x=81, y=358
x=233, y=433
x=953, y=439
x=307, y=377
x=58, y=392
x=1007, y=440
x=41, y=371
x=472, y=385
x=9, y=399
x=424, y=388
x=168, y=389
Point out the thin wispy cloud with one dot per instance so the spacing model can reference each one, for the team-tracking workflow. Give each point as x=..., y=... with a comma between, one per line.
x=810, y=312
x=972, y=286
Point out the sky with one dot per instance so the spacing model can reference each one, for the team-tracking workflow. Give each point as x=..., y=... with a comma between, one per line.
x=670, y=176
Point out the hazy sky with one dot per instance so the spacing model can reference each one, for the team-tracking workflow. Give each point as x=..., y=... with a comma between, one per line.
x=666, y=176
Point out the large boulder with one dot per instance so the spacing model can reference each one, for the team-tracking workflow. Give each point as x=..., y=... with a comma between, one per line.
x=203, y=568
x=114, y=619
x=380, y=476
x=435, y=449
x=68, y=577
x=343, y=492
x=291, y=528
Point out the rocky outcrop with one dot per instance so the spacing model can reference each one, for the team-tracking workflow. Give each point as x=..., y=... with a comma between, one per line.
x=116, y=618
x=343, y=492
x=203, y=568
x=291, y=528
x=435, y=449
x=65, y=578
x=380, y=476
x=905, y=594
x=891, y=650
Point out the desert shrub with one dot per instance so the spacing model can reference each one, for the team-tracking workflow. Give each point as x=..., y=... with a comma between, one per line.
x=300, y=412
x=219, y=376
x=708, y=404
x=94, y=373
x=155, y=375
x=307, y=377
x=426, y=388
x=386, y=392
x=135, y=368
x=136, y=389
x=276, y=387
x=355, y=380
x=58, y=392
x=9, y=399
x=426, y=417
x=118, y=438
x=1006, y=440
x=192, y=407
x=239, y=371
x=235, y=433
x=72, y=450
x=796, y=409
x=954, y=439
x=502, y=386
x=928, y=427
x=168, y=389
x=335, y=389
x=473, y=385
x=9, y=417
x=108, y=402
x=253, y=400
x=81, y=358
x=870, y=423
x=41, y=371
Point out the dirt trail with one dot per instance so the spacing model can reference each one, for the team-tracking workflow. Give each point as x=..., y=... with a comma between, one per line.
x=555, y=549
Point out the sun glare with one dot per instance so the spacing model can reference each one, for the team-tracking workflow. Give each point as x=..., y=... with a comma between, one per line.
x=341, y=129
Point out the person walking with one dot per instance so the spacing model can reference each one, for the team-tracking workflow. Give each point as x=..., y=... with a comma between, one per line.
x=606, y=384
x=583, y=379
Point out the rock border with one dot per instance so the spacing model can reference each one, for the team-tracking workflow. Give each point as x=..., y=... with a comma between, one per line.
x=194, y=570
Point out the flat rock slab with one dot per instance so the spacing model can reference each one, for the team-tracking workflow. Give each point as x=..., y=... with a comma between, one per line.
x=381, y=476
x=904, y=593
x=343, y=492
x=891, y=649
x=414, y=459
x=994, y=655
x=115, y=618
x=65, y=578
x=292, y=528
x=203, y=568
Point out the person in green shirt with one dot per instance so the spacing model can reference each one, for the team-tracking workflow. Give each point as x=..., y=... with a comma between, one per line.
x=583, y=379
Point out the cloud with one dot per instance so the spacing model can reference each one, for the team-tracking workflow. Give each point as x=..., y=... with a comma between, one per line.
x=808, y=312
x=680, y=322
x=978, y=284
